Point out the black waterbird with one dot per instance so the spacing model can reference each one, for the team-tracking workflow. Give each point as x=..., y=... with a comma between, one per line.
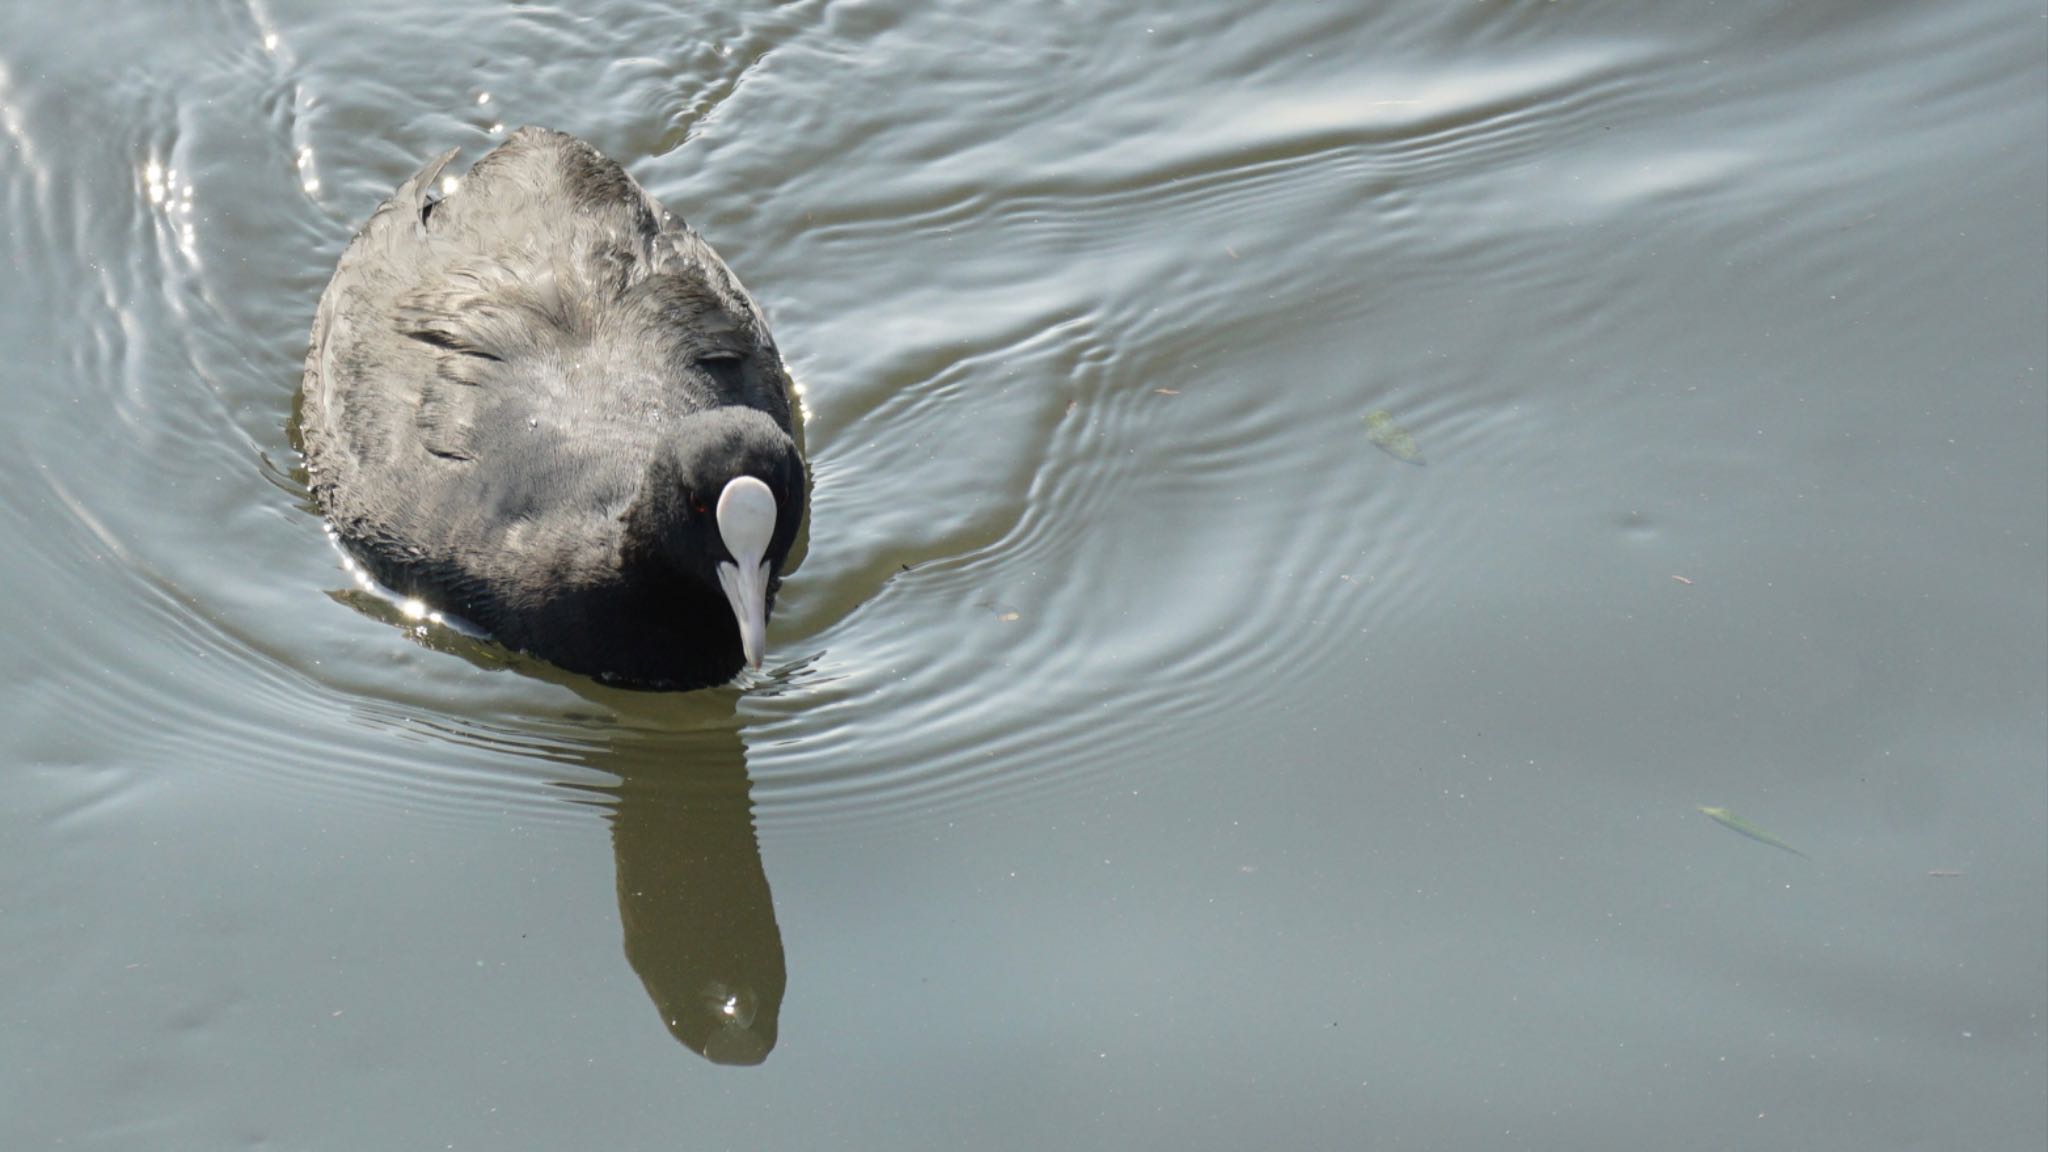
x=536, y=400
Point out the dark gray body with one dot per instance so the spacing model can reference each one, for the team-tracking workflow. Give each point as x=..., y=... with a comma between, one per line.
x=520, y=399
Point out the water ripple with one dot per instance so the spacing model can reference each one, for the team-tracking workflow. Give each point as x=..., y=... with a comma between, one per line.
x=1073, y=481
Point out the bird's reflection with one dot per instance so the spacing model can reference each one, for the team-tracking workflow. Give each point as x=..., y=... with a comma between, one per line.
x=693, y=898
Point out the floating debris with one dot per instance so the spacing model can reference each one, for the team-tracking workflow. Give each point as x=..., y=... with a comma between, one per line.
x=1392, y=439
x=1682, y=580
x=1734, y=823
x=1944, y=873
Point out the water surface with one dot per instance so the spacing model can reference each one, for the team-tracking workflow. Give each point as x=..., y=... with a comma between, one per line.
x=1146, y=759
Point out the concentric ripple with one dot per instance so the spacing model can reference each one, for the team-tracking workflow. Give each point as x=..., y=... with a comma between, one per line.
x=1070, y=406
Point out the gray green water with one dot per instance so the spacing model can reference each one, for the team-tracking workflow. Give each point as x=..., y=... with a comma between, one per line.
x=1148, y=758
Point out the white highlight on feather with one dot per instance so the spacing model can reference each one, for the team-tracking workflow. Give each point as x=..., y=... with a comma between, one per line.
x=746, y=522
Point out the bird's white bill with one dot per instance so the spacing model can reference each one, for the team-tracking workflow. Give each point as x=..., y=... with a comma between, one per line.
x=746, y=522
x=748, y=592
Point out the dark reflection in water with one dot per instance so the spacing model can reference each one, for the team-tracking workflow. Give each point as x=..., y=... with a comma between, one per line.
x=693, y=898
x=694, y=903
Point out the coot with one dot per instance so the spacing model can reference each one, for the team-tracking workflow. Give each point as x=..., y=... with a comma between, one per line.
x=538, y=401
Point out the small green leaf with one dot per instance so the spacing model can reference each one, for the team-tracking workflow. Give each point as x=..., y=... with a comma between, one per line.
x=1734, y=823
x=1391, y=438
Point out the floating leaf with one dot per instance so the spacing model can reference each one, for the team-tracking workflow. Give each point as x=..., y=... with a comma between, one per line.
x=1392, y=439
x=1734, y=823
